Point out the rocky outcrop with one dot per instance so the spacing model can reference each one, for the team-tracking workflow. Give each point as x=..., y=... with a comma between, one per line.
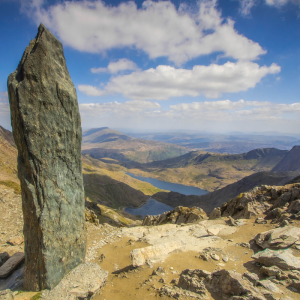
x=221, y=284
x=169, y=238
x=274, y=201
x=47, y=131
x=180, y=215
x=283, y=259
x=11, y=264
x=215, y=214
x=290, y=162
x=83, y=283
x=278, y=238
x=217, y=198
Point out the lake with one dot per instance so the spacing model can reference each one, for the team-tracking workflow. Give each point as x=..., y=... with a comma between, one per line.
x=153, y=207
x=172, y=187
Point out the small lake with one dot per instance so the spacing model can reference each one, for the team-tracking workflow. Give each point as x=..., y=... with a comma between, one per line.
x=172, y=187
x=153, y=207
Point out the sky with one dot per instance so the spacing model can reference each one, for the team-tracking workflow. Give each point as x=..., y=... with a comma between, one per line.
x=208, y=65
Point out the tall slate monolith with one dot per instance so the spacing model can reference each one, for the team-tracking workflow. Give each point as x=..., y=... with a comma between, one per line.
x=47, y=131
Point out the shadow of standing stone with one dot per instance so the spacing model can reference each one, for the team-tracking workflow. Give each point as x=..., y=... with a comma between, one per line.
x=47, y=131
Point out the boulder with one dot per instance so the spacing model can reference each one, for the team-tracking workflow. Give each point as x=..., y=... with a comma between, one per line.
x=47, y=131
x=4, y=256
x=81, y=283
x=243, y=206
x=229, y=283
x=274, y=213
x=295, y=284
x=180, y=215
x=261, y=221
x=273, y=271
x=153, y=254
x=283, y=259
x=294, y=207
x=192, y=280
x=278, y=238
x=252, y=277
x=13, y=281
x=269, y=285
x=215, y=214
x=11, y=264
x=6, y=295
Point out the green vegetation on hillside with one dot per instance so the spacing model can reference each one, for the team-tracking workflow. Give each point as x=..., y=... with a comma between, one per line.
x=11, y=184
x=116, y=172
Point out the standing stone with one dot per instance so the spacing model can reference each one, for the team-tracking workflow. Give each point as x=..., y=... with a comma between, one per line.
x=47, y=131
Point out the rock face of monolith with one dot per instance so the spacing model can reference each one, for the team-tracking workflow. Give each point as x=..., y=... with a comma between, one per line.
x=47, y=131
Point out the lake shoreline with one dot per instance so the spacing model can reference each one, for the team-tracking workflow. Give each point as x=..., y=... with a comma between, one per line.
x=155, y=207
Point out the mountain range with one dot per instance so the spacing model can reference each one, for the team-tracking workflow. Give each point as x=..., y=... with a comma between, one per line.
x=105, y=143
x=233, y=143
x=107, y=183
x=211, y=171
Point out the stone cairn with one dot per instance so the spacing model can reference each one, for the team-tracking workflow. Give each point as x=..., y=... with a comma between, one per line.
x=47, y=131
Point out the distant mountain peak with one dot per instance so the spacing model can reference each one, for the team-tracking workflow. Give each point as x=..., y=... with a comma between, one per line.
x=103, y=135
x=290, y=162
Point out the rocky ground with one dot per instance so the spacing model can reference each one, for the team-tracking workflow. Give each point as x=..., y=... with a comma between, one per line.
x=210, y=259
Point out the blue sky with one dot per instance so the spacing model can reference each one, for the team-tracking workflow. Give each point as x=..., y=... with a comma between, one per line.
x=158, y=65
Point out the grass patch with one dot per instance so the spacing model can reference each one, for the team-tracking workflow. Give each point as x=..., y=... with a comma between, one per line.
x=37, y=296
x=10, y=184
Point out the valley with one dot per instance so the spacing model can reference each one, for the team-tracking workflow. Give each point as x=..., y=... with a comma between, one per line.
x=211, y=171
x=107, y=179
x=117, y=241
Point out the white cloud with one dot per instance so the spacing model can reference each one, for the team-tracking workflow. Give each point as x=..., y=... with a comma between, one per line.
x=3, y=95
x=246, y=5
x=157, y=28
x=4, y=106
x=207, y=115
x=164, y=82
x=99, y=70
x=120, y=109
x=277, y=3
x=122, y=64
x=4, y=110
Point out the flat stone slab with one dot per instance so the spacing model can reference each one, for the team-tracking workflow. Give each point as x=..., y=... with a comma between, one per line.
x=6, y=295
x=11, y=264
x=14, y=281
x=278, y=238
x=168, y=238
x=4, y=256
x=82, y=282
x=283, y=259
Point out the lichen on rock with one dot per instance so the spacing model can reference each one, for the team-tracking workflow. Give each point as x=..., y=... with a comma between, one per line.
x=47, y=132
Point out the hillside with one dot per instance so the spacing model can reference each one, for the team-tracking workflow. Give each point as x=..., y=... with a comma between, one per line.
x=107, y=184
x=290, y=162
x=103, y=143
x=8, y=157
x=211, y=171
x=215, y=199
x=104, y=183
x=103, y=135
